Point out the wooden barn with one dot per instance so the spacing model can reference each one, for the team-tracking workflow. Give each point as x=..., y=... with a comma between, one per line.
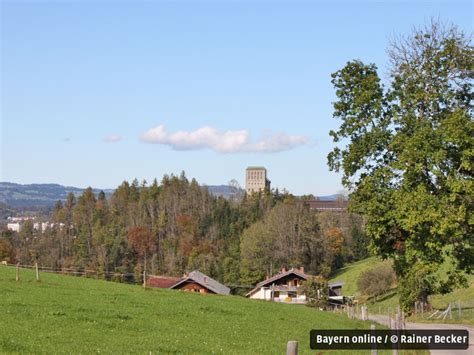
x=196, y=281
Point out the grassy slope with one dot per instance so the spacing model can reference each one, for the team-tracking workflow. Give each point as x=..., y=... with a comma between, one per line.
x=351, y=273
x=70, y=314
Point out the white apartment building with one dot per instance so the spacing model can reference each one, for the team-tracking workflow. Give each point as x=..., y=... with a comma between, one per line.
x=14, y=227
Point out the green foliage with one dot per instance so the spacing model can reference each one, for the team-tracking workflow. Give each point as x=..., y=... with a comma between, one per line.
x=61, y=313
x=360, y=240
x=377, y=281
x=289, y=235
x=409, y=160
x=416, y=286
x=316, y=290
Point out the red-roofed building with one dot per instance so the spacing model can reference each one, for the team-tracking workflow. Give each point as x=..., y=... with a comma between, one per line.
x=162, y=281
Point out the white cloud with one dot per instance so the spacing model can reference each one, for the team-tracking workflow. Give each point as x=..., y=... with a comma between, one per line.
x=112, y=138
x=222, y=142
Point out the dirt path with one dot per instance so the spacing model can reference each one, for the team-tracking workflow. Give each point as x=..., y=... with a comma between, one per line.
x=384, y=320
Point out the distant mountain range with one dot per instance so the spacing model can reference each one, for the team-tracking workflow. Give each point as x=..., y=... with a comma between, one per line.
x=46, y=195
x=17, y=195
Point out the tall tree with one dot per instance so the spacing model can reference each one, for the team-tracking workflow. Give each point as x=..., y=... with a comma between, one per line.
x=409, y=158
x=143, y=242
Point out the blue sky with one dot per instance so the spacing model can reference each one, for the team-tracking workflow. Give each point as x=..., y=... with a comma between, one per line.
x=94, y=93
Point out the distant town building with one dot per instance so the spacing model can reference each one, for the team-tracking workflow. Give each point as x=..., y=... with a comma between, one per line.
x=14, y=227
x=46, y=225
x=256, y=179
x=16, y=224
x=21, y=219
x=329, y=206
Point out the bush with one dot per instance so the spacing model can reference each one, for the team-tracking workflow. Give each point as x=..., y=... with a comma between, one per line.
x=316, y=290
x=375, y=282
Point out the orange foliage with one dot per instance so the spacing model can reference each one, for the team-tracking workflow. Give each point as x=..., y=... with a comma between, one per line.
x=335, y=239
x=142, y=240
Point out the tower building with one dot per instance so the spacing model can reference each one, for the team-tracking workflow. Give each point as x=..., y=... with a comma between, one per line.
x=256, y=179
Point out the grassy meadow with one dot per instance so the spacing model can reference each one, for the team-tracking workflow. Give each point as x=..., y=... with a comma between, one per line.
x=383, y=304
x=62, y=314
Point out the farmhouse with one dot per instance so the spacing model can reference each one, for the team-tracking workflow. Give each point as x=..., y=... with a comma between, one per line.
x=196, y=281
x=285, y=287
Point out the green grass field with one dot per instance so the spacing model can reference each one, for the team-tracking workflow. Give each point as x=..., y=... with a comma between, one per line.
x=388, y=303
x=351, y=272
x=70, y=314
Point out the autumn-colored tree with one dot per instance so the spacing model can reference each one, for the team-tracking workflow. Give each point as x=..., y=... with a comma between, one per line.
x=6, y=250
x=335, y=242
x=143, y=243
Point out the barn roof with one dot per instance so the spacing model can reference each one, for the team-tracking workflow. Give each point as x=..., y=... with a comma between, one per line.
x=162, y=281
x=204, y=281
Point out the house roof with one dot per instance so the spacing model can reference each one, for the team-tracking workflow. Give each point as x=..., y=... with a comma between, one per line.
x=277, y=277
x=162, y=281
x=204, y=281
x=281, y=275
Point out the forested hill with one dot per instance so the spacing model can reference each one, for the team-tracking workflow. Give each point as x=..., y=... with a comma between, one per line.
x=177, y=225
x=46, y=195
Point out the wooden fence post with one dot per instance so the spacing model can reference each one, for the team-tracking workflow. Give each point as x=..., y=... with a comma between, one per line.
x=144, y=272
x=292, y=348
x=398, y=326
x=37, y=272
x=364, y=312
x=18, y=272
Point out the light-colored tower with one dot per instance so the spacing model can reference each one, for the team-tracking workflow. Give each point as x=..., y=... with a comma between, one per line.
x=256, y=179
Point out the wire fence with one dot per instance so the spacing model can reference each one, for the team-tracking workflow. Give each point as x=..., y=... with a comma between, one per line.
x=122, y=277
x=434, y=311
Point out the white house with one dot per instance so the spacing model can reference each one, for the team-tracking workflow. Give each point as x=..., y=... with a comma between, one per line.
x=285, y=287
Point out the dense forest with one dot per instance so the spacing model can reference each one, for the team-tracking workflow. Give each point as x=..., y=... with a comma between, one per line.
x=177, y=225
